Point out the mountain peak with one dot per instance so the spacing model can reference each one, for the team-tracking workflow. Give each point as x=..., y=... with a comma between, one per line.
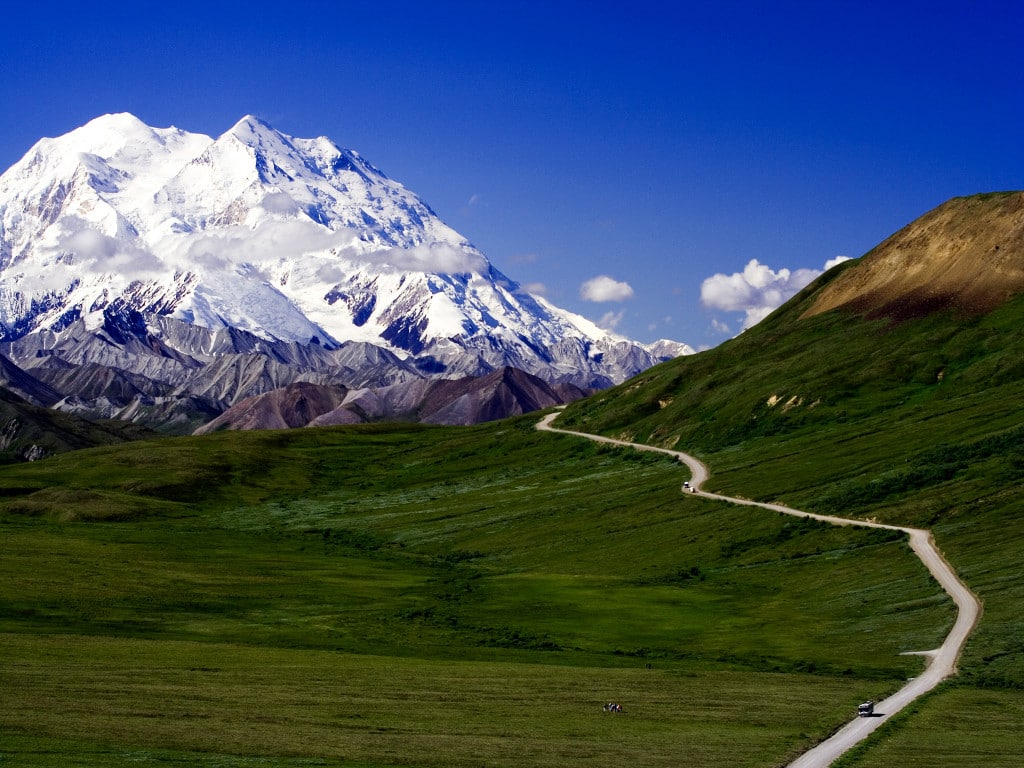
x=252, y=126
x=124, y=121
x=119, y=225
x=106, y=135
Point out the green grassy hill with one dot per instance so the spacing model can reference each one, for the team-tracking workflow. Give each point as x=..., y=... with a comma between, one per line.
x=915, y=421
x=916, y=424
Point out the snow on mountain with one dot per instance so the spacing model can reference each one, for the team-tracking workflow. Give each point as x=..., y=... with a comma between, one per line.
x=286, y=239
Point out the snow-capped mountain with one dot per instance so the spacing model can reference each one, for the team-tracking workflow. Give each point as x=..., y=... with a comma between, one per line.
x=120, y=232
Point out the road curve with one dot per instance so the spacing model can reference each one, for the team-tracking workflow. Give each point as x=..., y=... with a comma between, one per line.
x=942, y=663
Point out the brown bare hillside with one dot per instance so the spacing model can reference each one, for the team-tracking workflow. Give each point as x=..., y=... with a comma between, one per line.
x=966, y=255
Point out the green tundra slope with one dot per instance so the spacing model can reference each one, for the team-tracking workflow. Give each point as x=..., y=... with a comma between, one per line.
x=401, y=595
x=889, y=404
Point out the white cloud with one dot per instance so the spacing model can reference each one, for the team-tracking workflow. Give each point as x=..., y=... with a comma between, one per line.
x=330, y=273
x=537, y=289
x=280, y=202
x=81, y=249
x=654, y=324
x=757, y=290
x=833, y=262
x=610, y=320
x=604, y=288
x=718, y=326
x=275, y=241
x=113, y=255
x=471, y=205
x=271, y=241
x=437, y=257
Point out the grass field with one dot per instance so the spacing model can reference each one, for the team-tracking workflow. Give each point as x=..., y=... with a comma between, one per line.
x=198, y=702
x=914, y=424
x=403, y=595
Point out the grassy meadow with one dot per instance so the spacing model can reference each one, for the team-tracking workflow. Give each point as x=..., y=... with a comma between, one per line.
x=410, y=595
x=914, y=424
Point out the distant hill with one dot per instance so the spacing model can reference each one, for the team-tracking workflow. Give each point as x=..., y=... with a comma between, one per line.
x=29, y=432
x=469, y=400
x=888, y=389
x=26, y=385
x=967, y=255
x=953, y=278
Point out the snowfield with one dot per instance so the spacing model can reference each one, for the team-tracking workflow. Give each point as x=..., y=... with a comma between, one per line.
x=293, y=240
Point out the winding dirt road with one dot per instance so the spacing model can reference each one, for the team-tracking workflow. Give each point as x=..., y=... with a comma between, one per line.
x=942, y=660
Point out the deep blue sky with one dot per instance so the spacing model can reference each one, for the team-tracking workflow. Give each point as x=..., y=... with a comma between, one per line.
x=571, y=140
